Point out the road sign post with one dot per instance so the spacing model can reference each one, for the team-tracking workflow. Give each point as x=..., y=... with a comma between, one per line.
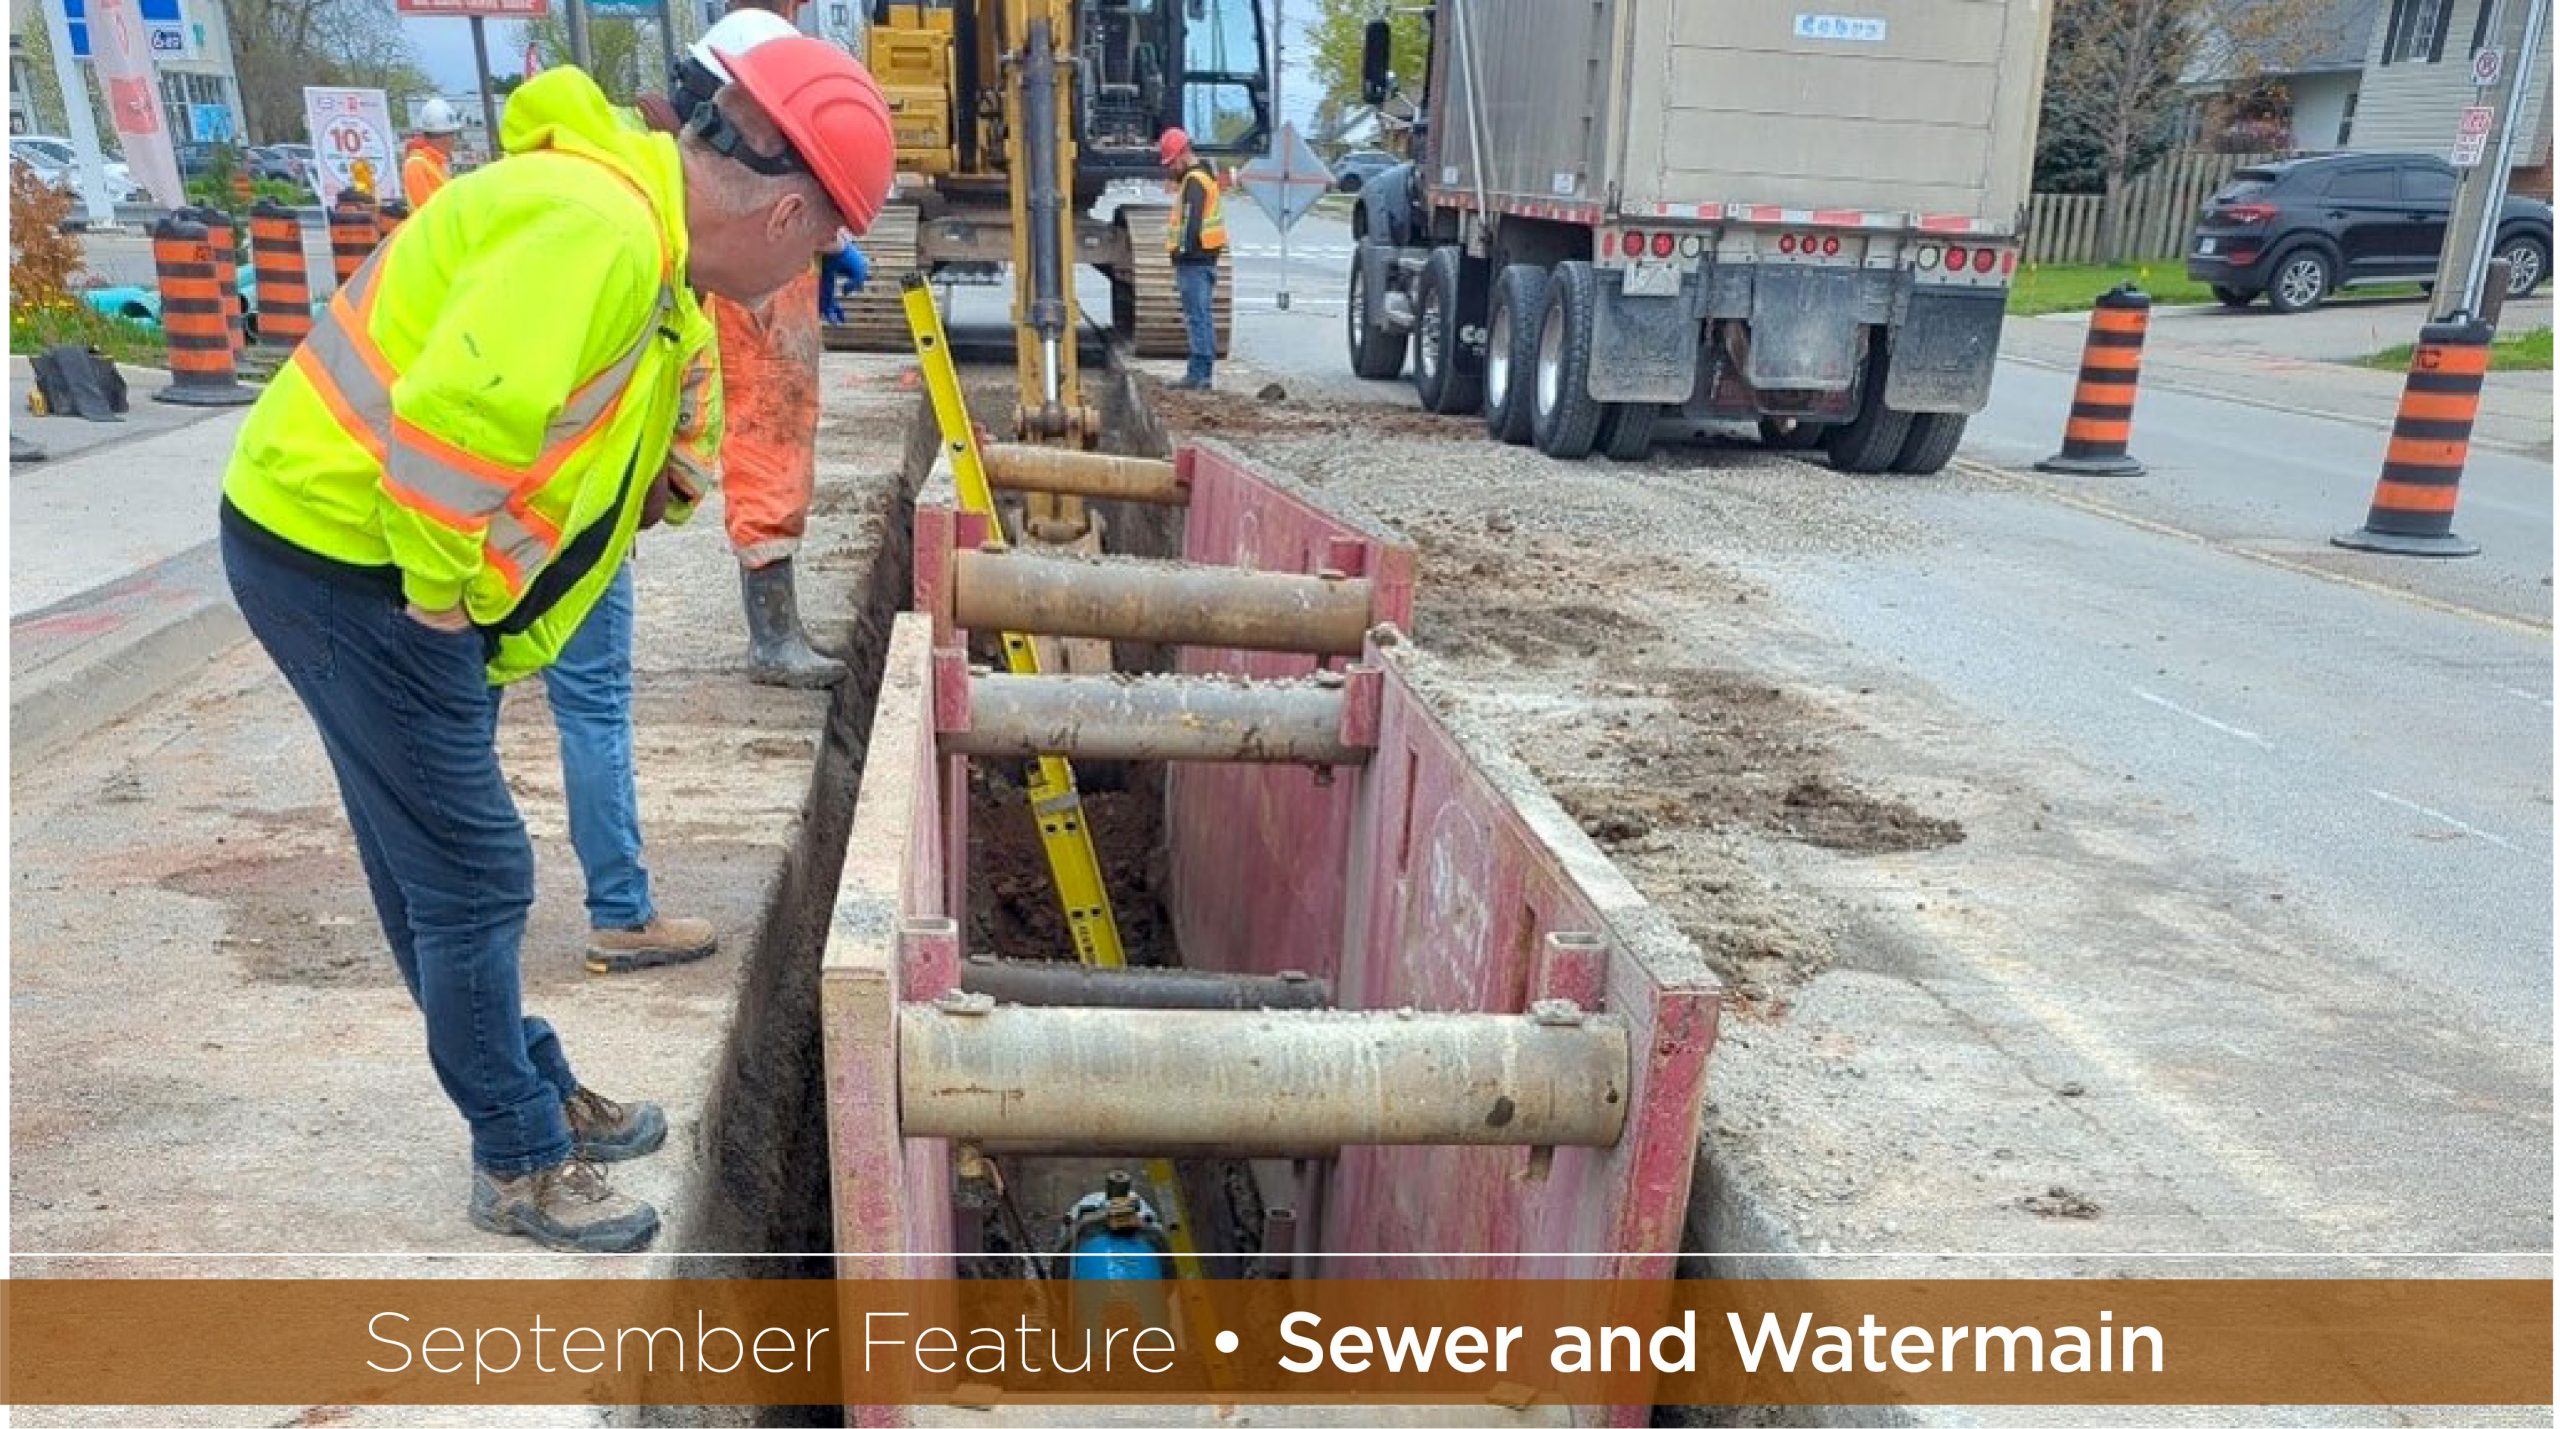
x=2484, y=147
x=1287, y=182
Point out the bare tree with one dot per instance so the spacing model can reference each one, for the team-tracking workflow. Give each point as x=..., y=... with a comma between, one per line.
x=282, y=45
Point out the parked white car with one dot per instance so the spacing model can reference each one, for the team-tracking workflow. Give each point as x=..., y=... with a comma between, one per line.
x=57, y=163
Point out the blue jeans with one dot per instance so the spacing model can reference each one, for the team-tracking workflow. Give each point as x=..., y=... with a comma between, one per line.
x=409, y=721
x=1198, y=285
x=590, y=689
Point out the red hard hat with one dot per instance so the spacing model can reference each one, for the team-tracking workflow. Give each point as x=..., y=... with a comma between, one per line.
x=1172, y=145
x=832, y=111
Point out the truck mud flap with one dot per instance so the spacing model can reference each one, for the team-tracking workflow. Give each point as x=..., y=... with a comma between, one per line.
x=1644, y=349
x=1944, y=350
x=1804, y=329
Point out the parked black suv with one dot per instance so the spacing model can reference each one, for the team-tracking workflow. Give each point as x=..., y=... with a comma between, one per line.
x=2303, y=228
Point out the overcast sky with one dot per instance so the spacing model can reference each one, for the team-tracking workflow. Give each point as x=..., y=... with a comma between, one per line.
x=444, y=51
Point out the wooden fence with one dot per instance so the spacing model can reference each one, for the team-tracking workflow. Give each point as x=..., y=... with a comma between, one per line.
x=2160, y=211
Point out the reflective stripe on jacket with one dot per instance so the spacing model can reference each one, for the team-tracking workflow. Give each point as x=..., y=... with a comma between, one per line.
x=485, y=404
x=1213, y=214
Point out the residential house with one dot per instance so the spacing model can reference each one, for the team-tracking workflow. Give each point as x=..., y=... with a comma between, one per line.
x=2287, y=83
x=2417, y=78
x=2376, y=75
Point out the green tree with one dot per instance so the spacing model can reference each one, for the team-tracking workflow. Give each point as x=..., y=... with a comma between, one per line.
x=1336, y=40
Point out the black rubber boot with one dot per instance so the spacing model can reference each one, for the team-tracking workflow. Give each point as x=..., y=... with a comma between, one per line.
x=778, y=650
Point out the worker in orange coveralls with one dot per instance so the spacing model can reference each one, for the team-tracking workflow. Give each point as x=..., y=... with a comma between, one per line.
x=769, y=396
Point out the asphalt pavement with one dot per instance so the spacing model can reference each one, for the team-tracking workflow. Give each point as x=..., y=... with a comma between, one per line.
x=2330, y=769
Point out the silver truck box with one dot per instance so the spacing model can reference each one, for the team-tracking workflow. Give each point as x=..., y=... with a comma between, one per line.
x=1924, y=108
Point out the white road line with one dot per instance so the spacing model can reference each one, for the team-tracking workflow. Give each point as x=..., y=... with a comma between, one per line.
x=2209, y=722
x=2445, y=819
x=2528, y=696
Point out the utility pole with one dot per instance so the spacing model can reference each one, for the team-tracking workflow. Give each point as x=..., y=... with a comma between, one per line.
x=488, y=91
x=82, y=120
x=581, y=52
x=2484, y=151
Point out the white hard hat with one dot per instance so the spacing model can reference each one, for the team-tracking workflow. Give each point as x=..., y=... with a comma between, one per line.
x=437, y=117
x=736, y=33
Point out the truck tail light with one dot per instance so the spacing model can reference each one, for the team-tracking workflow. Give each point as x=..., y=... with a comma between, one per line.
x=1955, y=259
x=1662, y=244
x=1983, y=259
x=1928, y=258
x=2009, y=260
x=1786, y=243
x=1631, y=243
x=1831, y=245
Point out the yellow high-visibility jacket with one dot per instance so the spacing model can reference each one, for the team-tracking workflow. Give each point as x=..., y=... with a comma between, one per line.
x=482, y=409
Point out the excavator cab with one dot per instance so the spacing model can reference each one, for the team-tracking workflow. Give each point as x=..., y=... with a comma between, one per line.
x=1151, y=65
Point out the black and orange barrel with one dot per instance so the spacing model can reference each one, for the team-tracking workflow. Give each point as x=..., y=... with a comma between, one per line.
x=353, y=232
x=2412, y=511
x=284, y=275
x=2098, y=437
x=202, y=371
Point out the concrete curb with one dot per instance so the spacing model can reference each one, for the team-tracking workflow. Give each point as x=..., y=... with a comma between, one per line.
x=83, y=663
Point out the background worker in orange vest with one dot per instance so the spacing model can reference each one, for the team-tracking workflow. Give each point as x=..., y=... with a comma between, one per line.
x=427, y=163
x=769, y=398
x=1195, y=234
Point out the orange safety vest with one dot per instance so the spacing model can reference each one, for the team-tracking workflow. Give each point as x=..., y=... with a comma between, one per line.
x=422, y=172
x=1213, y=213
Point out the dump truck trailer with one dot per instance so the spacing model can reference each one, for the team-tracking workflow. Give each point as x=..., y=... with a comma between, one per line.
x=1626, y=210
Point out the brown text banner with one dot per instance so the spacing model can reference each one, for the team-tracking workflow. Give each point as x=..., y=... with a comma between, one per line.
x=2407, y=1342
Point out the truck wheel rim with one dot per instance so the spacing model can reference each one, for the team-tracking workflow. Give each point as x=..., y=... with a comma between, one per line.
x=2300, y=282
x=1426, y=342
x=1497, y=358
x=1551, y=359
x=2524, y=269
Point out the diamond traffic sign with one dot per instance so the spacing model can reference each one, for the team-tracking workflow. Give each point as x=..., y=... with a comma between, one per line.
x=1288, y=180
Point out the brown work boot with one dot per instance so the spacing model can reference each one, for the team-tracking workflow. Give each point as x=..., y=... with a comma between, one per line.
x=566, y=1206
x=658, y=943
x=607, y=1130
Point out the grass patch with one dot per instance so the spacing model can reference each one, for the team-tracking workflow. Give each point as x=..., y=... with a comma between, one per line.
x=33, y=329
x=2074, y=287
x=2528, y=351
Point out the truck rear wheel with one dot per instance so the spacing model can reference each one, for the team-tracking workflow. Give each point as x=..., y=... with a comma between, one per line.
x=1626, y=431
x=1563, y=418
x=1931, y=444
x=1445, y=376
x=1376, y=353
x=1511, y=350
x=1871, y=440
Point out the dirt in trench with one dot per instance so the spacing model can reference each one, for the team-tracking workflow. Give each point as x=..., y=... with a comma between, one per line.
x=1013, y=899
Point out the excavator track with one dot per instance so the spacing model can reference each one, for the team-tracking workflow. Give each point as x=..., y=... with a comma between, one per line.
x=874, y=319
x=1147, y=310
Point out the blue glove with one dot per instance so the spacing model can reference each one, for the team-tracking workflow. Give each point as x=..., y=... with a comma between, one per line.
x=846, y=265
x=849, y=264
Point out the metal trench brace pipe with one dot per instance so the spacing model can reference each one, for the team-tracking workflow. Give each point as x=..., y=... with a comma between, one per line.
x=1155, y=718
x=1056, y=471
x=1160, y=602
x=1066, y=1079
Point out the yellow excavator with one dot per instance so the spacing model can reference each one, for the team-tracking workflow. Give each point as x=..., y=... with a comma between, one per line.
x=1013, y=118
